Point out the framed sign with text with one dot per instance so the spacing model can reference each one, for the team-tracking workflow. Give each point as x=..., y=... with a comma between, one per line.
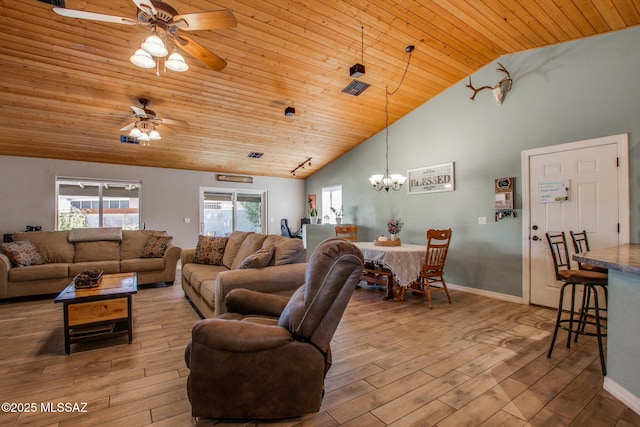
x=431, y=179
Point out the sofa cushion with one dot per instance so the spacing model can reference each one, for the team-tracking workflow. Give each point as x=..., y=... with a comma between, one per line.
x=101, y=250
x=133, y=242
x=53, y=245
x=204, y=273
x=141, y=264
x=39, y=272
x=93, y=234
x=210, y=250
x=108, y=267
x=156, y=246
x=23, y=253
x=251, y=243
x=233, y=245
x=287, y=250
x=258, y=259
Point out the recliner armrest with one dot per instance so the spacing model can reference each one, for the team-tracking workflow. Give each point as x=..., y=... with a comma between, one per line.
x=244, y=301
x=238, y=336
x=277, y=279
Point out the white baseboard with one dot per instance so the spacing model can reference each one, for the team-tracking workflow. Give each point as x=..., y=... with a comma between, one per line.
x=622, y=394
x=484, y=293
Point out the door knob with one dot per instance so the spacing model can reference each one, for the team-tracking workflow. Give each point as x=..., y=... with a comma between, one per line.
x=535, y=238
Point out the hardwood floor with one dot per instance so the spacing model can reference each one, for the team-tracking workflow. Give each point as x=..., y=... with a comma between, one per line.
x=475, y=362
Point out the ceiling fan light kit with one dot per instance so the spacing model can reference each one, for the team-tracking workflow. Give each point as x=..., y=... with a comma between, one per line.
x=154, y=45
x=144, y=129
x=176, y=63
x=160, y=16
x=142, y=59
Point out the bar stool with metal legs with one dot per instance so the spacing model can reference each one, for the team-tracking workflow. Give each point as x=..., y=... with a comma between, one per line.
x=580, y=245
x=573, y=280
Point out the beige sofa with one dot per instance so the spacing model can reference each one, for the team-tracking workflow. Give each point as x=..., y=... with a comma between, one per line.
x=207, y=285
x=111, y=250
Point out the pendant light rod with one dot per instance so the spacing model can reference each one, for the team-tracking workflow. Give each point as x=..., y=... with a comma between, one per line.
x=388, y=180
x=362, y=43
x=409, y=49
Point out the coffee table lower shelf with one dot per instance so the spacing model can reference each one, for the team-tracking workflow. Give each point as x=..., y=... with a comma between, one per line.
x=101, y=312
x=98, y=330
x=87, y=321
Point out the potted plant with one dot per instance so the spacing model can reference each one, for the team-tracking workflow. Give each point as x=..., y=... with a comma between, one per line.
x=338, y=213
x=313, y=213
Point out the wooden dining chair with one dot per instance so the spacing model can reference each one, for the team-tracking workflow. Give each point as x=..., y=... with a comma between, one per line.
x=431, y=277
x=349, y=232
x=376, y=273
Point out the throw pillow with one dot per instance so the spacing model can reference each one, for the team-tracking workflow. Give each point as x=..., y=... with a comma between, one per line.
x=258, y=259
x=22, y=253
x=156, y=246
x=210, y=250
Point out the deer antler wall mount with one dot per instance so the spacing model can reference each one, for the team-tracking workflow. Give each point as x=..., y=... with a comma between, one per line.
x=499, y=90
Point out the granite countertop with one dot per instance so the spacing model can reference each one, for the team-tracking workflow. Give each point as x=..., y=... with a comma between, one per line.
x=625, y=258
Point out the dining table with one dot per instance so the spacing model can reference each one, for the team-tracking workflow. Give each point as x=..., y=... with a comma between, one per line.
x=402, y=262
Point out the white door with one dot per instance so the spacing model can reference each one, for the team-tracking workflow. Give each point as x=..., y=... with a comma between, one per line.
x=592, y=177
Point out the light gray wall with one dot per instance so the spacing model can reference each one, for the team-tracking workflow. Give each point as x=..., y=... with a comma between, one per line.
x=563, y=93
x=27, y=194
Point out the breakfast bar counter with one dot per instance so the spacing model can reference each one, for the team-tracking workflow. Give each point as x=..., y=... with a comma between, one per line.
x=623, y=323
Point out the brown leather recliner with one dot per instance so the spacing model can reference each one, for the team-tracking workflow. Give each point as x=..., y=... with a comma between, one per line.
x=268, y=356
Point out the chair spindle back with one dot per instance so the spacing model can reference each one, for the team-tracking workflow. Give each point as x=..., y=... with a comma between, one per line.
x=559, y=252
x=437, y=249
x=349, y=232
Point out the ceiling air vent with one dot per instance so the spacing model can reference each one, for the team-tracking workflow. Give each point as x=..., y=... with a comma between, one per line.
x=356, y=87
x=255, y=155
x=126, y=139
x=58, y=3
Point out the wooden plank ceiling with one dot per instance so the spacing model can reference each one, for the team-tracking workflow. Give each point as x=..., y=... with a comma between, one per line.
x=67, y=84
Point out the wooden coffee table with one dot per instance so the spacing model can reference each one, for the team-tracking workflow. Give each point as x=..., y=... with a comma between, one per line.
x=103, y=311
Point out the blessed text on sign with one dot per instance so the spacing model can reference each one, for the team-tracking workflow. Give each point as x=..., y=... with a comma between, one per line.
x=431, y=179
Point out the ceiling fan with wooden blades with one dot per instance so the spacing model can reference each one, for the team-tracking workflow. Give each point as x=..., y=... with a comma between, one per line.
x=144, y=114
x=155, y=14
x=145, y=122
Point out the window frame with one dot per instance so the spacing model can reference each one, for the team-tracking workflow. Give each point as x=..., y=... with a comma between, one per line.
x=234, y=192
x=101, y=184
x=328, y=202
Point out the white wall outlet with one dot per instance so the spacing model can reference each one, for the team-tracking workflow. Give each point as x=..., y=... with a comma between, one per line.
x=482, y=220
x=187, y=220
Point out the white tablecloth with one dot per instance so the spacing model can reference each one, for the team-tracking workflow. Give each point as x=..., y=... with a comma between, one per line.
x=404, y=261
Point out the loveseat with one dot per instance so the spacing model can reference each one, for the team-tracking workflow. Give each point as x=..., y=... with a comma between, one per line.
x=60, y=255
x=260, y=262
